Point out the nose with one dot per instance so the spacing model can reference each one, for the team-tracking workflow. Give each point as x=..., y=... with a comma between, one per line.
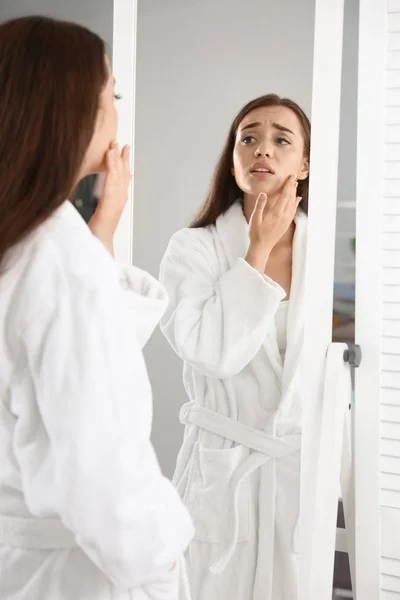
x=265, y=148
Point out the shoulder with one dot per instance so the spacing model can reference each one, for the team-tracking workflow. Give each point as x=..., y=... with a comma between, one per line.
x=67, y=242
x=189, y=241
x=60, y=262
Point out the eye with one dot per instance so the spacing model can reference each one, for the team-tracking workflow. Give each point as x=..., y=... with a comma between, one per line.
x=282, y=141
x=248, y=139
x=117, y=96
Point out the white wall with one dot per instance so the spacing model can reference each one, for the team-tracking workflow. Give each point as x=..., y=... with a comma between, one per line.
x=198, y=62
x=97, y=15
x=390, y=340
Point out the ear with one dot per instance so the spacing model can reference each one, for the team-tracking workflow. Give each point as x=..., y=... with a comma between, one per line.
x=233, y=171
x=304, y=171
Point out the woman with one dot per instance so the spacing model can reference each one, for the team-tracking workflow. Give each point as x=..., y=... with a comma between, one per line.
x=235, y=317
x=85, y=511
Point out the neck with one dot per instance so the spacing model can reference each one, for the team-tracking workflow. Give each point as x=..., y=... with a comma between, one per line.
x=248, y=207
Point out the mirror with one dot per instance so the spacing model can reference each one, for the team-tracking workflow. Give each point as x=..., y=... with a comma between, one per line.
x=198, y=63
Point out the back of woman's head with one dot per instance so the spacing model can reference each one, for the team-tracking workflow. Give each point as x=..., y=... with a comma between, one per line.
x=51, y=77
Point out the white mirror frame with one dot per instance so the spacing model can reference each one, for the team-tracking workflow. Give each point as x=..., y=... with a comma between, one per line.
x=124, y=68
x=315, y=575
x=317, y=545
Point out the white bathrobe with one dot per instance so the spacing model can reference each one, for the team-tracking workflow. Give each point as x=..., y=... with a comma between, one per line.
x=238, y=470
x=85, y=512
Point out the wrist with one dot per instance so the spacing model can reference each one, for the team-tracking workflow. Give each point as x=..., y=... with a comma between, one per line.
x=257, y=257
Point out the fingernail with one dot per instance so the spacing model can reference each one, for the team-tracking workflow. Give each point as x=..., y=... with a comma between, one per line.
x=262, y=196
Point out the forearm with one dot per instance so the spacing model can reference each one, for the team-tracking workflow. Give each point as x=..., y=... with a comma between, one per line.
x=96, y=226
x=257, y=256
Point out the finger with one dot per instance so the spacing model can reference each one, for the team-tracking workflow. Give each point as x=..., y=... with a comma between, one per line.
x=288, y=193
x=292, y=194
x=119, y=159
x=285, y=194
x=126, y=160
x=290, y=186
x=125, y=154
x=111, y=178
x=112, y=161
x=259, y=207
x=115, y=155
x=293, y=203
x=114, y=147
x=291, y=210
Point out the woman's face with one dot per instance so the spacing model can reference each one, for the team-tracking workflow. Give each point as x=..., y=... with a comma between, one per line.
x=106, y=128
x=269, y=147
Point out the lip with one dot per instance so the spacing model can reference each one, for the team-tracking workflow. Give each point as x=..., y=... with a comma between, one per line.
x=261, y=165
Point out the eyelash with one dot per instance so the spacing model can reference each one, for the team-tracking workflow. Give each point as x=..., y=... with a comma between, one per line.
x=117, y=96
x=248, y=137
x=279, y=139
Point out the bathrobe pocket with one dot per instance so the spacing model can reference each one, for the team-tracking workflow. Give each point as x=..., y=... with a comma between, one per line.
x=209, y=494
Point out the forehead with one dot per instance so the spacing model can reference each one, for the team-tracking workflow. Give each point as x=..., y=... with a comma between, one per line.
x=273, y=114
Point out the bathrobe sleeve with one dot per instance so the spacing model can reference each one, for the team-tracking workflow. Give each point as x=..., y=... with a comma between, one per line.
x=100, y=474
x=146, y=300
x=216, y=323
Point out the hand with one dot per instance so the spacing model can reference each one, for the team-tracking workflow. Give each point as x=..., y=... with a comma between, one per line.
x=270, y=221
x=115, y=196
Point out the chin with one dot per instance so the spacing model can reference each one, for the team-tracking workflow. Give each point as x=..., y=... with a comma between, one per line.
x=255, y=189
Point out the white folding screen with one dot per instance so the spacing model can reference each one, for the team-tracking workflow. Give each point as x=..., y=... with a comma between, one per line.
x=368, y=295
x=389, y=483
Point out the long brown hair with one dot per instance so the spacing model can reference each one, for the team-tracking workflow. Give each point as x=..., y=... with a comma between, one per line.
x=224, y=190
x=51, y=77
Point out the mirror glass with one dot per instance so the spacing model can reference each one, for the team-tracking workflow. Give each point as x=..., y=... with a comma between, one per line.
x=198, y=64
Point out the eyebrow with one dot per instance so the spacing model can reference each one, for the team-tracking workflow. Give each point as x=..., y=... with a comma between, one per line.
x=275, y=125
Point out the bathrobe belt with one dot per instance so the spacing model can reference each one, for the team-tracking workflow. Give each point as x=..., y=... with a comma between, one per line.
x=30, y=533
x=35, y=534
x=265, y=448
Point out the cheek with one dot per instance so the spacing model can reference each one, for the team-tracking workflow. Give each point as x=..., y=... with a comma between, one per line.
x=110, y=121
x=235, y=162
x=113, y=119
x=292, y=159
x=239, y=160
